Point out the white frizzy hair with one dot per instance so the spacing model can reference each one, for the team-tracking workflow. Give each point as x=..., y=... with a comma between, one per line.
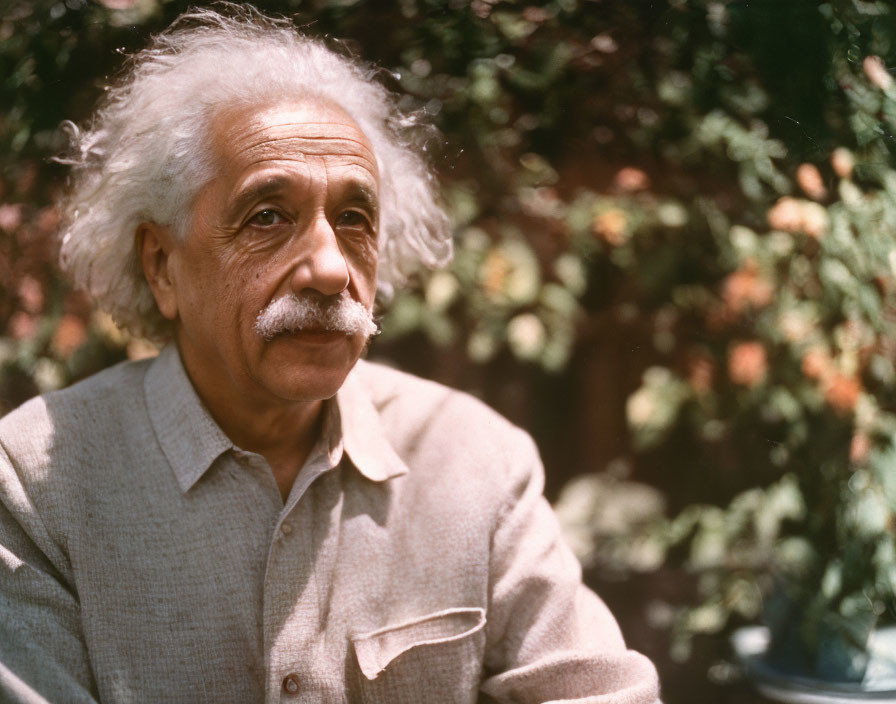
x=145, y=154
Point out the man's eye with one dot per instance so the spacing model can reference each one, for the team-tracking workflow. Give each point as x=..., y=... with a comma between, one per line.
x=267, y=218
x=353, y=218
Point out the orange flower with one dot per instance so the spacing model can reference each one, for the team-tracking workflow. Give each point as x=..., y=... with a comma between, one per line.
x=31, y=294
x=785, y=215
x=631, y=179
x=610, y=226
x=842, y=392
x=817, y=364
x=745, y=288
x=793, y=215
x=70, y=334
x=747, y=363
x=809, y=179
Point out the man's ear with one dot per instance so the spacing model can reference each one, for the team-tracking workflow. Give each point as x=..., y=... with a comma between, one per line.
x=155, y=246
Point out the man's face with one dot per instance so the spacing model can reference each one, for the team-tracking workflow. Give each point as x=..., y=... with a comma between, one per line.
x=292, y=210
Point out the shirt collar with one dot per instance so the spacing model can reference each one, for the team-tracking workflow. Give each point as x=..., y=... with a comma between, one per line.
x=192, y=441
x=363, y=434
x=190, y=438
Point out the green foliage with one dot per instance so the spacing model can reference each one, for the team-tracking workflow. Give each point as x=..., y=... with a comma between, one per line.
x=793, y=312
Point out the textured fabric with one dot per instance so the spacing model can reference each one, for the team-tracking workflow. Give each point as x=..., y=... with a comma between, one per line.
x=144, y=558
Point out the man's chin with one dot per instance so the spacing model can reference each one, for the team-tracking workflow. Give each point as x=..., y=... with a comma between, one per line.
x=309, y=366
x=307, y=385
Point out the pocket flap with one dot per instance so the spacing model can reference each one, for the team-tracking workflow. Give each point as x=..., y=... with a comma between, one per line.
x=375, y=650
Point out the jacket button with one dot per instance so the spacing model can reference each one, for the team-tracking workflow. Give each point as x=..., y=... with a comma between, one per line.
x=291, y=684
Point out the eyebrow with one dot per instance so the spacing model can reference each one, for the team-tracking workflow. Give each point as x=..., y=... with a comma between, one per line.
x=256, y=192
x=363, y=195
x=273, y=185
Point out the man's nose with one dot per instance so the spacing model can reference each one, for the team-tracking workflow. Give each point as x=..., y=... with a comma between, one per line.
x=320, y=263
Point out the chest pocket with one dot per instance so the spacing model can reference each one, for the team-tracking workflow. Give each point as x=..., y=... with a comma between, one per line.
x=435, y=659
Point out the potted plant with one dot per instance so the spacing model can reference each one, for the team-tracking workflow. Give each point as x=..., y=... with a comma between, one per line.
x=791, y=381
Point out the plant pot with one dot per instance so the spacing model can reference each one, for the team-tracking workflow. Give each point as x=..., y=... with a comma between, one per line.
x=810, y=637
x=878, y=684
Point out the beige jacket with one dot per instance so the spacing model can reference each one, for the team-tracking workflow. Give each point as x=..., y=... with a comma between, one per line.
x=144, y=558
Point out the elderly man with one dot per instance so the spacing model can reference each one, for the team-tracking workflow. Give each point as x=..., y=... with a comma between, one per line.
x=255, y=515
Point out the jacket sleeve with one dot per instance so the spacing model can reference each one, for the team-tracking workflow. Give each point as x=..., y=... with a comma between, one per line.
x=549, y=638
x=43, y=658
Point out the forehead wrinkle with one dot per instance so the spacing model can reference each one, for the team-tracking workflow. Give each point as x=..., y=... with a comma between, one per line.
x=300, y=158
x=292, y=130
x=356, y=184
x=359, y=168
x=316, y=135
x=344, y=131
x=317, y=146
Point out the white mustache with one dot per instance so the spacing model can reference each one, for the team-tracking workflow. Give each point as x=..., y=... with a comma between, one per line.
x=292, y=313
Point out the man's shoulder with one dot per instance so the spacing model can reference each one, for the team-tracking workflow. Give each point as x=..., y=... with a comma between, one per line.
x=104, y=399
x=419, y=411
x=397, y=392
